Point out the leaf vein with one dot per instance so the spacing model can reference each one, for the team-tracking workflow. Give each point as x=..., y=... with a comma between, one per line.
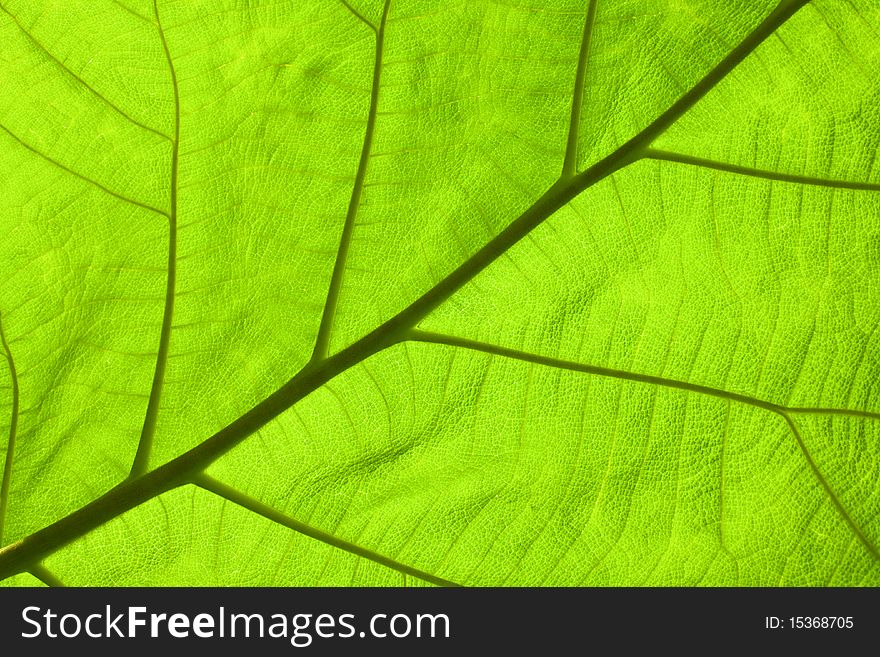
x=46, y=576
x=464, y=343
x=569, y=165
x=148, y=431
x=363, y=19
x=322, y=341
x=94, y=183
x=245, y=501
x=63, y=67
x=690, y=160
x=13, y=426
x=829, y=491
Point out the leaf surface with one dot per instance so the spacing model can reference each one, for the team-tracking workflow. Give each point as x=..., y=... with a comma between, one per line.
x=399, y=292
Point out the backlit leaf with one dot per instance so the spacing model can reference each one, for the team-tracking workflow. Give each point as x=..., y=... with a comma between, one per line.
x=411, y=292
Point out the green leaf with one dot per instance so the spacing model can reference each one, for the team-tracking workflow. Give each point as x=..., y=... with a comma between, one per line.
x=408, y=292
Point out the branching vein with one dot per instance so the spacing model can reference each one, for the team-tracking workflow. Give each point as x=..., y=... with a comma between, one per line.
x=13, y=425
x=131, y=11
x=85, y=85
x=145, y=444
x=363, y=19
x=680, y=158
x=322, y=342
x=832, y=495
x=246, y=501
x=473, y=345
x=46, y=576
x=785, y=412
x=94, y=183
x=569, y=165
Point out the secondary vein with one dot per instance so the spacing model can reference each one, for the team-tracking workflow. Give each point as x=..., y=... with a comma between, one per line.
x=363, y=19
x=829, y=491
x=569, y=165
x=783, y=11
x=566, y=189
x=322, y=341
x=13, y=426
x=785, y=412
x=46, y=576
x=495, y=350
x=690, y=160
x=133, y=13
x=148, y=431
x=804, y=410
x=246, y=501
x=430, y=337
x=76, y=174
x=63, y=67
